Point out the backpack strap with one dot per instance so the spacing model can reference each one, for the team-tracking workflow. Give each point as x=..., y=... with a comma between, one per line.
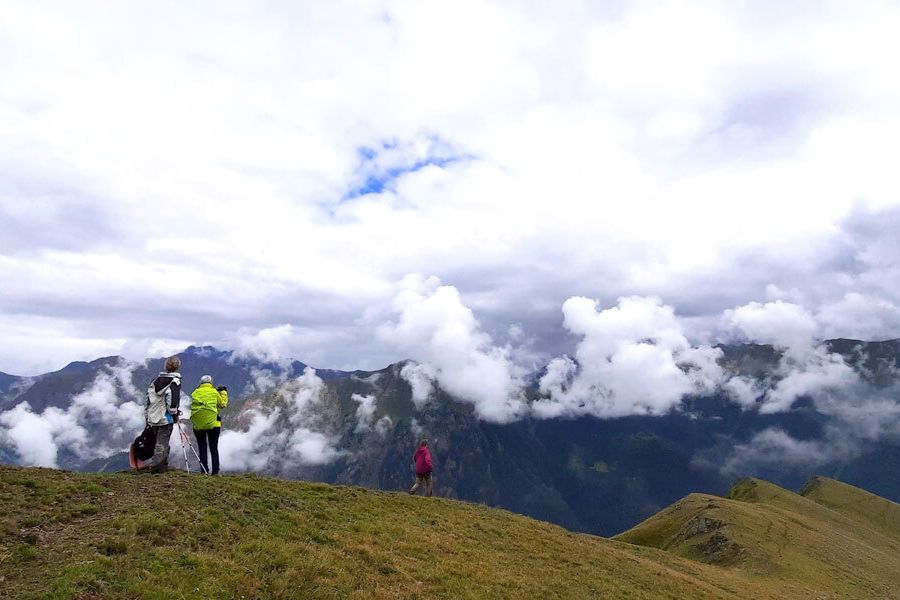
x=163, y=390
x=172, y=381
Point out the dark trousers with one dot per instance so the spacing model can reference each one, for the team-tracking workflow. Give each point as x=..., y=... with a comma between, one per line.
x=209, y=437
x=159, y=462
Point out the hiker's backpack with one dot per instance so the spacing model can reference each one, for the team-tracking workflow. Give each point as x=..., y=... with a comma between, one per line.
x=143, y=445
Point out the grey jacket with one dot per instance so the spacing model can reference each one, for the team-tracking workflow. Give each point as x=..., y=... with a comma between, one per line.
x=163, y=399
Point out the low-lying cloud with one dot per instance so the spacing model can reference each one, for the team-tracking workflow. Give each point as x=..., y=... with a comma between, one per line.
x=436, y=327
x=365, y=416
x=270, y=344
x=774, y=446
x=860, y=415
x=298, y=427
x=781, y=324
x=632, y=358
x=421, y=378
x=636, y=356
x=98, y=422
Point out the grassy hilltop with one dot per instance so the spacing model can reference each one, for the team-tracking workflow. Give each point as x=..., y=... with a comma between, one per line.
x=67, y=535
x=834, y=537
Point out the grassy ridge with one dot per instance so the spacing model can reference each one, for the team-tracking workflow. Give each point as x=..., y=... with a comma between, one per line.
x=876, y=512
x=837, y=540
x=68, y=535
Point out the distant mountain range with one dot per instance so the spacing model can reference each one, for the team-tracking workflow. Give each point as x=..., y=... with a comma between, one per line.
x=587, y=474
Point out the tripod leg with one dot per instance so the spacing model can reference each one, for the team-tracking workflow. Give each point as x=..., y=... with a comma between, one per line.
x=194, y=450
x=187, y=466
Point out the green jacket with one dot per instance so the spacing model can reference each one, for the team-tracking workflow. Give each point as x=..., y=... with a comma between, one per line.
x=205, y=404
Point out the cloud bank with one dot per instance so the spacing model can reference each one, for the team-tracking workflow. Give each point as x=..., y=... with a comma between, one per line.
x=860, y=416
x=100, y=421
x=440, y=330
x=297, y=427
x=633, y=358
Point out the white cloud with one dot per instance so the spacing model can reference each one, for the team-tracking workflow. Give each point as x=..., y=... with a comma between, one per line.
x=98, y=422
x=384, y=425
x=313, y=448
x=861, y=317
x=264, y=379
x=365, y=412
x=808, y=373
x=776, y=447
x=782, y=324
x=304, y=395
x=559, y=376
x=632, y=358
x=365, y=416
x=269, y=344
x=298, y=429
x=141, y=349
x=32, y=436
x=858, y=412
x=434, y=326
x=666, y=149
x=252, y=448
x=420, y=378
x=806, y=368
x=744, y=390
x=311, y=441
x=860, y=415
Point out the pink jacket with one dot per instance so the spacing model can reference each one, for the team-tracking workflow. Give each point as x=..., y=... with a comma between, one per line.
x=423, y=460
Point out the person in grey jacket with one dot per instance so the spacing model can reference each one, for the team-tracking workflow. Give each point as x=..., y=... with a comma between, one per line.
x=161, y=413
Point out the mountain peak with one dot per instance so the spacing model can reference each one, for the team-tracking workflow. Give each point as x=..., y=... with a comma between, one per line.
x=206, y=352
x=75, y=366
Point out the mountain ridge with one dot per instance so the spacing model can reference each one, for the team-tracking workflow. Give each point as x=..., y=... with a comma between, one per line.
x=847, y=347
x=71, y=535
x=588, y=474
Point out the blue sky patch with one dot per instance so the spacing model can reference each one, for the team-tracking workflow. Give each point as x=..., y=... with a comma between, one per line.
x=380, y=167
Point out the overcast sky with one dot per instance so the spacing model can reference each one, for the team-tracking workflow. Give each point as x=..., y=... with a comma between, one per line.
x=264, y=176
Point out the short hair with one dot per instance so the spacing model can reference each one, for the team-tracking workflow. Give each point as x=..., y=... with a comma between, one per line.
x=423, y=443
x=173, y=363
x=206, y=379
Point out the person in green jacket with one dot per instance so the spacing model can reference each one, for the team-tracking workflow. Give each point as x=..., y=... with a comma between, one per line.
x=206, y=401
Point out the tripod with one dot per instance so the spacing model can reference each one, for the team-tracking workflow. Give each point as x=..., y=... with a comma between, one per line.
x=185, y=438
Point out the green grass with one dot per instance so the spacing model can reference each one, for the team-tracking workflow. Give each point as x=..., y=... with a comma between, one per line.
x=874, y=511
x=836, y=541
x=68, y=535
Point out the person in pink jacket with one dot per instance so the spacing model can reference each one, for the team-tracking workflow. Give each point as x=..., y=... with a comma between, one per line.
x=422, y=458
